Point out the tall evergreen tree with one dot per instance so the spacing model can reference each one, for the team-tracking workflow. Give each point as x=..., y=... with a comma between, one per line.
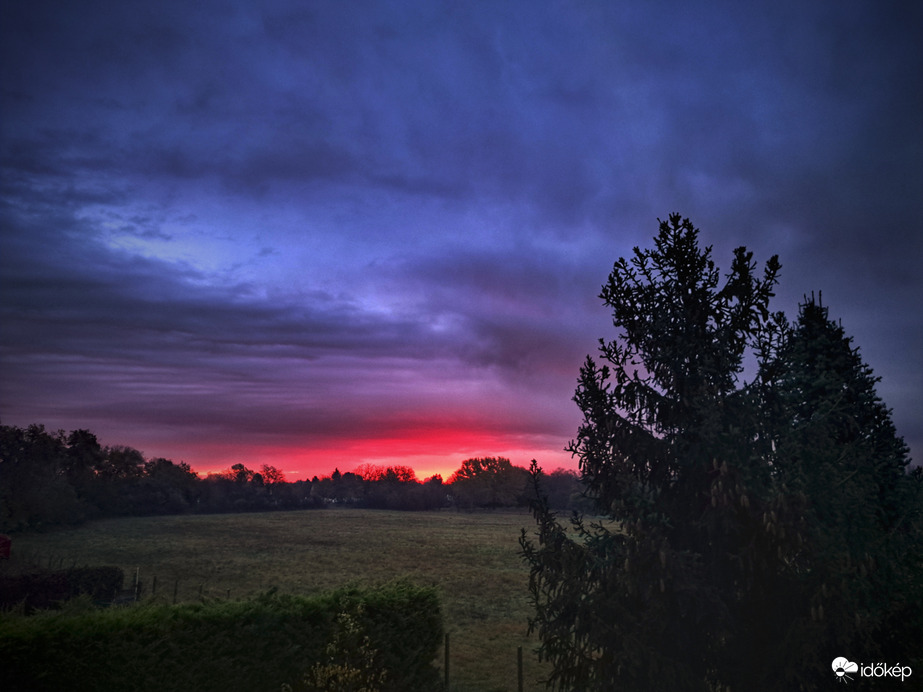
x=854, y=580
x=700, y=573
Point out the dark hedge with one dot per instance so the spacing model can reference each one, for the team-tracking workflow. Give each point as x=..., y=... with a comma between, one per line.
x=50, y=589
x=248, y=645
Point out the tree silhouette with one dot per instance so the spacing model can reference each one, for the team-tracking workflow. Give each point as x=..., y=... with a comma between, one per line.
x=34, y=487
x=706, y=568
x=847, y=514
x=271, y=474
x=488, y=482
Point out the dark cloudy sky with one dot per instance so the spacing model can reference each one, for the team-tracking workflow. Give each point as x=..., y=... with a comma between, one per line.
x=319, y=234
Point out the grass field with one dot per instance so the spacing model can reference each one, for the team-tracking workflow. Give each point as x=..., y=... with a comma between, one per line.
x=471, y=558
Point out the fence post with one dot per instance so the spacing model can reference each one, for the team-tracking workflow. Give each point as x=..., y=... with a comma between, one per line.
x=175, y=589
x=154, y=585
x=446, y=661
x=519, y=667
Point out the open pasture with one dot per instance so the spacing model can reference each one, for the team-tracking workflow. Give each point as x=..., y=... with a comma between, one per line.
x=472, y=558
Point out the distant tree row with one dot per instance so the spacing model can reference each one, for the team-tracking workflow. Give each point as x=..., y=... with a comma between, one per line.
x=55, y=478
x=479, y=483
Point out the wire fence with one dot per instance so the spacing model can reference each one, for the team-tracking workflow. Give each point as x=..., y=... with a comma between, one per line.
x=136, y=591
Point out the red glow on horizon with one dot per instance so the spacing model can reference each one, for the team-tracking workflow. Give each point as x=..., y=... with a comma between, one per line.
x=428, y=453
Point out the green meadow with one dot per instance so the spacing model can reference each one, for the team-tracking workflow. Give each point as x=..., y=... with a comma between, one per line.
x=472, y=559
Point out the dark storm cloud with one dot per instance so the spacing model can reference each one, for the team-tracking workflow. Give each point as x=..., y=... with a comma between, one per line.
x=140, y=342
x=441, y=111
x=300, y=211
x=522, y=314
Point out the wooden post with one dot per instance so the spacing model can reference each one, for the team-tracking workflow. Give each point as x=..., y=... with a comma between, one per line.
x=447, y=661
x=519, y=667
x=137, y=583
x=154, y=585
x=175, y=589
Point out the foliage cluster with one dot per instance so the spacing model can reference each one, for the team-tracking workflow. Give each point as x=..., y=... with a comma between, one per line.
x=247, y=645
x=49, y=479
x=490, y=482
x=751, y=531
x=351, y=663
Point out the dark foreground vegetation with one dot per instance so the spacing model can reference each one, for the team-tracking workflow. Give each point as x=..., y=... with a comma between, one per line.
x=50, y=479
x=352, y=639
x=47, y=589
x=758, y=529
x=470, y=558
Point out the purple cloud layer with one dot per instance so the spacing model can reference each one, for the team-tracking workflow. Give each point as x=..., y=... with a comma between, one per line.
x=294, y=227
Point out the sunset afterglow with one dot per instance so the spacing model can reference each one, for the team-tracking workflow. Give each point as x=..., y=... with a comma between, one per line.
x=323, y=235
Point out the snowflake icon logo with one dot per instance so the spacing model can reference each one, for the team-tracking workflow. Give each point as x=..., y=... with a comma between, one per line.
x=842, y=666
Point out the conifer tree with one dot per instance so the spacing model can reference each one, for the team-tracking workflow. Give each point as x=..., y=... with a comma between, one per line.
x=854, y=581
x=705, y=568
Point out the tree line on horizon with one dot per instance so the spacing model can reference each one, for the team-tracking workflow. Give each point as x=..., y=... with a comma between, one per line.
x=52, y=479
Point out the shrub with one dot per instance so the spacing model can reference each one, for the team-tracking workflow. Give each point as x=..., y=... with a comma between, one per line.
x=42, y=590
x=248, y=645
